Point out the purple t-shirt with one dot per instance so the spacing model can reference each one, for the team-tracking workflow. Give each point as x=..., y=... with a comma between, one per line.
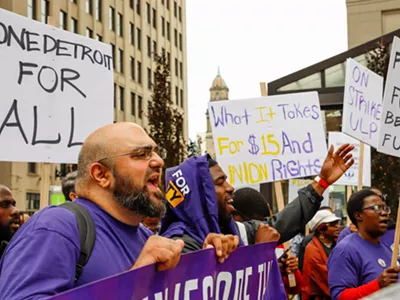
x=355, y=262
x=345, y=232
x=41, y=258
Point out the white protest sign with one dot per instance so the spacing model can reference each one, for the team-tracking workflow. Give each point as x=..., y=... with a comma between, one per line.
x=389, y=137
x=351, y=176
x=362, y=104
x=56, y=88
x=269, y=138
x=297, y=184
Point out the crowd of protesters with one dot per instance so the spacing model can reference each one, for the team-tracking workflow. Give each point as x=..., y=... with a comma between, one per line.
x=117, y=183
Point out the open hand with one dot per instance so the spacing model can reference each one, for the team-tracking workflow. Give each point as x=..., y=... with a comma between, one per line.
x=223, y=244
x=337, y=163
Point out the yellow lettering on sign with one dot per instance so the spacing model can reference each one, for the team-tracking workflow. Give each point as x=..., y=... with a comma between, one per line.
x=174, y=195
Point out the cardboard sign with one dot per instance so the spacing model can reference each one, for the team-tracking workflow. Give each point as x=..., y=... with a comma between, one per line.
x=389, y=137
x=351, y=176
x=362, y=104
x=56, y=88
x=269, y=138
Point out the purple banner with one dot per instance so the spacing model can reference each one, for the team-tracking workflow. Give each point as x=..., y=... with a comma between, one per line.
x=250, y=272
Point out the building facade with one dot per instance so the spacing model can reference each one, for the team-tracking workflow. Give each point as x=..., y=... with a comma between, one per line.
x=218, y=91
x=369, y=19
x=136, y=30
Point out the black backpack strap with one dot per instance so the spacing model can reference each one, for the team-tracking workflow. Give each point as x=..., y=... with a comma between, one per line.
x=87, y=233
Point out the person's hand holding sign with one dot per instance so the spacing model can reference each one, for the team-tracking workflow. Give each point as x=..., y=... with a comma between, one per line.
x=223, y=244
x=335, y=165
x=162, y=251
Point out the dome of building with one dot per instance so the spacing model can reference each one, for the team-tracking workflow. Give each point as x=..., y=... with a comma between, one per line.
x=219, y=82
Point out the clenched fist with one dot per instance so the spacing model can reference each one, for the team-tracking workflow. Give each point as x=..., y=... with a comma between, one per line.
x=266, y=233
x=162, y=251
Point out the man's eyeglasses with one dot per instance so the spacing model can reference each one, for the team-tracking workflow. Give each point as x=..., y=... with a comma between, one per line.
x=378, y=208
x=144, y=153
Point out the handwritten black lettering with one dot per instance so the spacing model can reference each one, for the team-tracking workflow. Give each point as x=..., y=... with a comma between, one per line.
x=13, y=111
x=35, y=129
x=71, y=136
x=65, y=79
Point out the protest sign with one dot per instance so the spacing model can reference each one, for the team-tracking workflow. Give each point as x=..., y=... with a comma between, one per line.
x=57, y=88
x=362, y=103
x=250, y=272
x=351, y=176
x=389, y=136
x=296, y=184
x=269, y=138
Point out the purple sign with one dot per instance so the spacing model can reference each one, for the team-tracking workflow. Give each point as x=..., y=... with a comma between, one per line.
x=250, y=272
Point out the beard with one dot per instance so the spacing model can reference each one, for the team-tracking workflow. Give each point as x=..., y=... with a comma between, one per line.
x=138, y=200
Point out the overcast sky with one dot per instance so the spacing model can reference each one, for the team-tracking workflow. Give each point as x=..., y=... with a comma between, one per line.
x=256, y=40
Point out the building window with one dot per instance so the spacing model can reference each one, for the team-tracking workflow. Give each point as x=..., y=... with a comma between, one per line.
x=176, y=96
x=140, y=106
x=63, y=20
x=32, y=168
x=120, y=61
x=154, y=49
x=139, y=72
x=132, y=63
x=148, y=78
x=139, y=38
x=32, y=9
x=181, y=98
x=148, y=46
x=154, y=19
x=163, y=52
x=168, y=4
x=154, y=78
x=99, y=37
x=89, y=33
x=89, y=6
x=180, y=14
x=98, y=10
x=121, y=98
x=131, y=34
x=168, y=57
x=148, y=12
x=168, y=31
x=32, y=201
x=115, y=95
x=138, y=7
x=181, y=69
x=180, y=41
x=111, y=18
x=120, y=25
x=133, y=104
x=162, y=2
x=74, y=25
x=176, y=37
x=176, y=67
x=113, y=54
x=131, y=3
x=175, y=9
x=45, y=11
x=162, y=26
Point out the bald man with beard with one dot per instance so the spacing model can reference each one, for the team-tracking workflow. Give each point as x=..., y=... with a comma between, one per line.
x=118, y=175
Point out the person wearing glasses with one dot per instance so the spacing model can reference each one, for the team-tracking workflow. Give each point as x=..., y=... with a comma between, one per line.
x=119, y=169
x=352, y=228
x=360, y=264
x=325, y=226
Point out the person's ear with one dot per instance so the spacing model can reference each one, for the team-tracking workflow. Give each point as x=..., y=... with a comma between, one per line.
x=358, y=217
x=101, y=175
